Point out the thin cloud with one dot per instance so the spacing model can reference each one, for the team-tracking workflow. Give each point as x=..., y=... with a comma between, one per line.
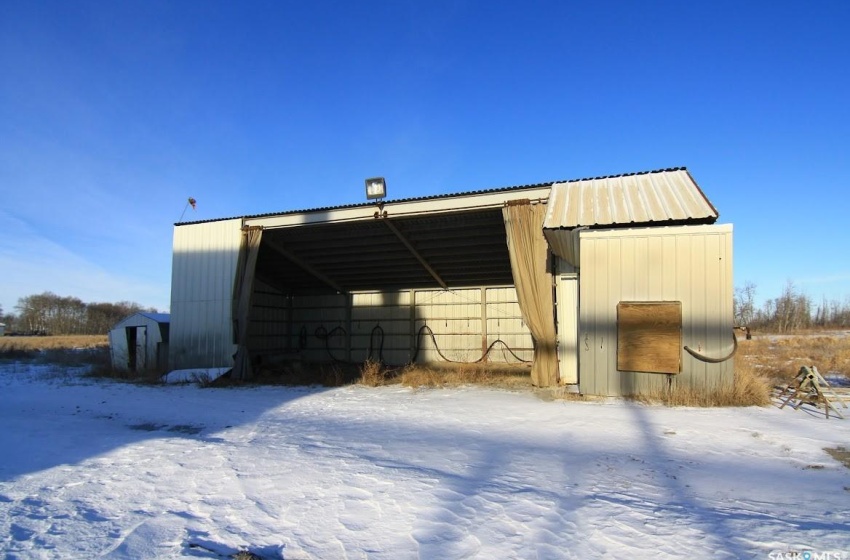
x=32, y=264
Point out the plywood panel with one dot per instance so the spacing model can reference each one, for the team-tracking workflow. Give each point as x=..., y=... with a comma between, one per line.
x=649, y=337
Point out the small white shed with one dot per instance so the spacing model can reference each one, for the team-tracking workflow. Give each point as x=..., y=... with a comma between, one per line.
x=139, y=343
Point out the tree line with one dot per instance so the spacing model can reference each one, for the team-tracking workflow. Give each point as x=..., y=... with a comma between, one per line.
x=48, y=313
x=793, y=310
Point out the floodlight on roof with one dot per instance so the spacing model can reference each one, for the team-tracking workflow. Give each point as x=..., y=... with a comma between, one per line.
x=376, y=187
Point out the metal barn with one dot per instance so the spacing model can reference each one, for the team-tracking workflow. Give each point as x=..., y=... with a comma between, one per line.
x=139, y=343
x=600, y=283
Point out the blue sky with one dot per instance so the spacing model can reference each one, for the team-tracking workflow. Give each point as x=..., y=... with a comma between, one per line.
x=112, y=114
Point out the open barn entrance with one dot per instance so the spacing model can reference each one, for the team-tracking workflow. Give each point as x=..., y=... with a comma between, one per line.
x=430, y=288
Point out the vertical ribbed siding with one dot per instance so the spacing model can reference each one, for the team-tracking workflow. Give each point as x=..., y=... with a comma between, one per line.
x=268, y=330
x=454, y=317
x=690, y=264
x=504, y=322
x=464, y=323
x=203, y=271
x=312, y=315
x=380, y=321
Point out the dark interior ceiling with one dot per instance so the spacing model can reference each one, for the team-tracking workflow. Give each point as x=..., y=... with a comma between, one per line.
x=461, y=249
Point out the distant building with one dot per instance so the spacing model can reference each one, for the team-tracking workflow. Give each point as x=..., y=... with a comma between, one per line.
x=139, y=343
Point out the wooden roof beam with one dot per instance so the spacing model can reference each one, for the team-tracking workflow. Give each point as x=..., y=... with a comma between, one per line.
x=415, y=253
x=304, y=266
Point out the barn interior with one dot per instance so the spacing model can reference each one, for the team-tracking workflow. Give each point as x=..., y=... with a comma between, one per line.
x=450, y=250
x=435, y=287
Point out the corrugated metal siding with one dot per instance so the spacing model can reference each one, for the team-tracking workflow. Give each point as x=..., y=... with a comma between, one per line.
x=565, y=244
x=690, y=264
x=203, y=271
x=268, y=330
x=380, y=321
x=660, y=196
x=464, y=322
x=455, y=318
x=504, y=322
x=319, y=314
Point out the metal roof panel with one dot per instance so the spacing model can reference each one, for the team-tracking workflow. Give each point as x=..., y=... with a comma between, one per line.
x=666, y=196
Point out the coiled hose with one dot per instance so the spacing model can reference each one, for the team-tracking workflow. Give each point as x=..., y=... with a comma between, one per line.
x=323, y=334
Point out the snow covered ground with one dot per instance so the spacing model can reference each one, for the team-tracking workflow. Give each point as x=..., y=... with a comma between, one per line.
x=110, y=470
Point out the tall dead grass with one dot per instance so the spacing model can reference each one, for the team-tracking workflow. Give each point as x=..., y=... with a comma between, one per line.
x=748, y=389
x=779, y=357
x=76, y=350
x=373, y=374
x=40, y=343
x=763, y=363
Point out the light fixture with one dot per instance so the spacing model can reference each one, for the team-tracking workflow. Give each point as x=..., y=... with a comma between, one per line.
x=376, y=187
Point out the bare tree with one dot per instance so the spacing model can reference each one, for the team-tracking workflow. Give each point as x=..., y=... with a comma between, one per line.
x=792, y=310
x=102, y=316
x=53, y=314
x=744, y=304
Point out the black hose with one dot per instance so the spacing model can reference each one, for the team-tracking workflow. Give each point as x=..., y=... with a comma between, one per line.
x=423, y=328
x=322, y=334
x=706, y=359
x=372, y=344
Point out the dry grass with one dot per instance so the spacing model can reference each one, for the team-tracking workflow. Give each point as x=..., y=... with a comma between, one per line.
x=373, y=374
x=453, y=375
x=297, y=374
x=779, y=358
x=748, y=389
x=39, y=343
x=77, y=350
x=763, y=363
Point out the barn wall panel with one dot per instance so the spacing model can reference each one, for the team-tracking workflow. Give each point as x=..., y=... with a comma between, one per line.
x=268, y=330
x=313, y=319
x=690, y=264
x=381, y=326
x=385, y=325
x=505, y=326
x=203, y=271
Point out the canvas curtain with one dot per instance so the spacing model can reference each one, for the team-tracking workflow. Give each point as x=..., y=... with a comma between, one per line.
x=531, y=271
x=243, y=293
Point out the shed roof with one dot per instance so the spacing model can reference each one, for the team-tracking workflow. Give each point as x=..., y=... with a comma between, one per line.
x=134, y=319
x=158, y=317
x=669, y=196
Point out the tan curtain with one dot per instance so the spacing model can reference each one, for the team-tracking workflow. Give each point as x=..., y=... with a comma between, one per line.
x=243, y=293
x=533, y=279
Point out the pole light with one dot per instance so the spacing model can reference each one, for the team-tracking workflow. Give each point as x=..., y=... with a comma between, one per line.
x=376, y=187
